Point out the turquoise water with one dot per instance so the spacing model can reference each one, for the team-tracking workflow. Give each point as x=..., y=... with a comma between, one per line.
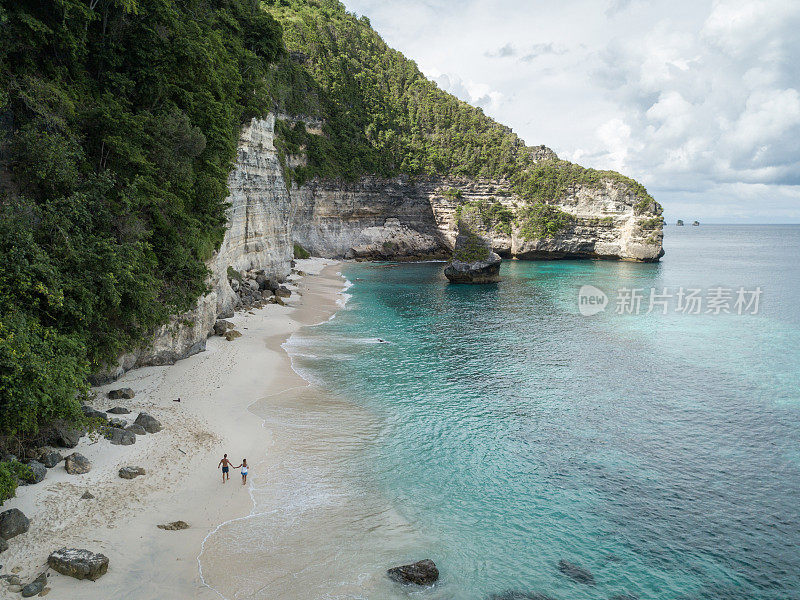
x=661, y=452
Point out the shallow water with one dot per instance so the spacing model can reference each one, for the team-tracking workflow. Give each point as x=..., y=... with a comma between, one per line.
x=500, y=431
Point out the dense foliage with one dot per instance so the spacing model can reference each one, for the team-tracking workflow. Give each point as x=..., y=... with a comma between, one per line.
x=118, y=127
x=11, y=473
x=383, y=116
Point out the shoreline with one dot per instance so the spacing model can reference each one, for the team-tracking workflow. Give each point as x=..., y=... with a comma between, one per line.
x=217, y=388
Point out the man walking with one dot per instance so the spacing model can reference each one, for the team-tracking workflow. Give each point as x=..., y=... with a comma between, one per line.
x=226, y=467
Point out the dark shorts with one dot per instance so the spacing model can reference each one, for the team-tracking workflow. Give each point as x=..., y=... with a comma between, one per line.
x=224, y=469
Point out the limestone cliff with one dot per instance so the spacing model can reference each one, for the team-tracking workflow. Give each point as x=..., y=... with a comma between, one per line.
x=374, y=218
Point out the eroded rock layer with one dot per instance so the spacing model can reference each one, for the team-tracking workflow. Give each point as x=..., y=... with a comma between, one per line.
x=375, y=218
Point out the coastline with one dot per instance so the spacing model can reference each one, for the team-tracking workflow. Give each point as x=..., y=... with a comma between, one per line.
x=217, y=388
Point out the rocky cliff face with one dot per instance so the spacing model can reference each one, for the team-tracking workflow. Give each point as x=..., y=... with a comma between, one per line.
x=374, y=218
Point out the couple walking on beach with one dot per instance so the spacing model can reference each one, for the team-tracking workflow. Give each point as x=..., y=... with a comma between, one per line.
x=227, y=465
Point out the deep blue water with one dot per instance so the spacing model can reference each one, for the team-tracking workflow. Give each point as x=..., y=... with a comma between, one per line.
x=662, y=452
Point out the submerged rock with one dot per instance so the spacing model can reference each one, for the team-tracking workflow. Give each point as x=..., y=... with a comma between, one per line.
x=13, y=522
x=78, y=563
x=122, y=393
x=35, y=586
x=131, y=472
x=174, y=526
x=473, y=260
x=576, y=572
x=77, y=464
x=623, y=597
x=150, y=423
x=517, y=595
x=423, y=572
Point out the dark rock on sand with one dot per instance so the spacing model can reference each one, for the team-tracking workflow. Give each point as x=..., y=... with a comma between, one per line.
x=119, y=437
x=38, y=469
x=66, y=435
x=78, y=563
x=221, y=326
x=131, y=472
x=118, y=423
x=174, y=526
x=283, y=292
x=3, y=545
x=517, y=595
x=136, y=429
x=126, y=393
x=93, y=413
x=87, y=496
x=576, y=572
x=150, y=423
x=423, y=572
x=232, y=335
x=35, y=586
x=12, y=523
x=118, y=410
x=77, y=464
x=50, y=458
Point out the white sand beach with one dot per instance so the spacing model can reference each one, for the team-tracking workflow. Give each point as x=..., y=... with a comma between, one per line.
x=182, y=481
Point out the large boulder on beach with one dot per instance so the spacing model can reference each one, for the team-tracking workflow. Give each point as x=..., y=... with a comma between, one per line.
x=576, y=572
x=50, y=458
x=93, y=413
x=12, y=523
x=78, y=563
x=121, y=393
x=131, y=472
x=221, y=326
x=77, y=464
x=119, y=437
x=66, y=435
x=149, y=422
x=473, y=260
x=136, y=429
x=38, y=471
x=35, y=586
x=423, y=572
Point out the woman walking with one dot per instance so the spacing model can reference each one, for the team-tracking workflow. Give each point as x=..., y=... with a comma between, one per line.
x=243, y=467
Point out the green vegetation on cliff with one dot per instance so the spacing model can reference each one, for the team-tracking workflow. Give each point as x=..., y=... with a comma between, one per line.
x=383, y=116
x=118, y=127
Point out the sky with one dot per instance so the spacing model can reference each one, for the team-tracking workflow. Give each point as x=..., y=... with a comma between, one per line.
x=697, y=99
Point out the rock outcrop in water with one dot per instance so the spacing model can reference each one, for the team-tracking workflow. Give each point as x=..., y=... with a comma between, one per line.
x=473, y=259
x=423, y=572
x=576, y=572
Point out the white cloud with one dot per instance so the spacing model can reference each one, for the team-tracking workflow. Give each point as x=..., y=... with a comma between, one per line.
x=698, y=99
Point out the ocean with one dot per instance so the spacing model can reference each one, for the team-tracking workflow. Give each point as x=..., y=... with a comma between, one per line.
x=500, y=429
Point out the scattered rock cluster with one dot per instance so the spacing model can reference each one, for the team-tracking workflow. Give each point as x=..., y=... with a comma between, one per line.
x=255, y=288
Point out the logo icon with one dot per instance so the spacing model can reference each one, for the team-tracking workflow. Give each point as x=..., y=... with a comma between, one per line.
x=591, y=300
